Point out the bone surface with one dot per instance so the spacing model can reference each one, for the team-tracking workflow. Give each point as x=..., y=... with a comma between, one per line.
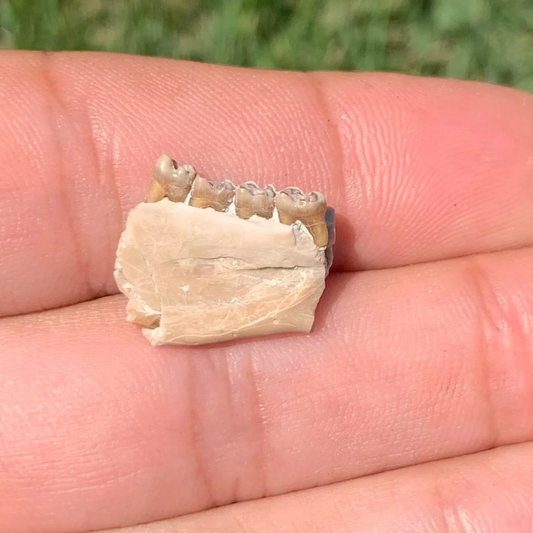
x=204, y=272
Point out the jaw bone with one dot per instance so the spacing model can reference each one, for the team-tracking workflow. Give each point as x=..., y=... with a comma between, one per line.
x=207, y=262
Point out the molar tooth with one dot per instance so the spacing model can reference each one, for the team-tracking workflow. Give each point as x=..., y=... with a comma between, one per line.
x=205, y=193
x=250, y=199
x=310, y=209
x=176, y=180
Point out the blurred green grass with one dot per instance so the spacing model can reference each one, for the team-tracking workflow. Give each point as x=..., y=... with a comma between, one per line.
x=470, y=39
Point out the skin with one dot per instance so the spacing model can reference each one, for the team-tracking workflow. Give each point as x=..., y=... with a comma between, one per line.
x=408, y=409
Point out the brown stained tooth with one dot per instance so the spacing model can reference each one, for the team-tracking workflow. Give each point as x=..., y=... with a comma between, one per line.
x=250, y=199
x=205, y=193
x=175, y=179
x=310, y=209
x=156, y=192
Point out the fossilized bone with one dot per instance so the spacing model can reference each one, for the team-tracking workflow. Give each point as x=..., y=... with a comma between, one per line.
x=203, y=261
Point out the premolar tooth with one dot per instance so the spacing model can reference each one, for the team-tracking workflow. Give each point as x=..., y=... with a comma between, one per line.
x=310, y=209
x=176, y=180
x=205, y=193
x=250, y=199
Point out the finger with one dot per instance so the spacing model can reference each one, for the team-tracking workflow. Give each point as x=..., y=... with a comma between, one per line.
x=489, y=492
x=425, y=362
x=418, y=169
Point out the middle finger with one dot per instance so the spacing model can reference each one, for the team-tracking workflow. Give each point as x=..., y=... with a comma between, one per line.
x=405, y=366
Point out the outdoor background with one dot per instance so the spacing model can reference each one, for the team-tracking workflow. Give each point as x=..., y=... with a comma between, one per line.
x=477, y=39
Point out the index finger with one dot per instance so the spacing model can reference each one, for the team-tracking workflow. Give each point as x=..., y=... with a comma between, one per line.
x=418, y=169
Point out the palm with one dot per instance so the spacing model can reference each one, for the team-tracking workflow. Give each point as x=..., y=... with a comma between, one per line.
x=407, y=364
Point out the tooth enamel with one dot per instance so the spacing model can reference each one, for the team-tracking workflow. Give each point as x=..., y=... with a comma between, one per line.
x=176, y=180
x=156, y=192
x=250, y=199
x=310, y=209
x=205, y=193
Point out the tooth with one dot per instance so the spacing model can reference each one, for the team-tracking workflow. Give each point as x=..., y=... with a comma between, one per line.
x=250, y=199
x=176, y=180
x=205, y=193
x=156, y=192
x=310, y=209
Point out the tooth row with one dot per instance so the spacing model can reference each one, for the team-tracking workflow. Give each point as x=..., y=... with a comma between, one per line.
x=181, y=183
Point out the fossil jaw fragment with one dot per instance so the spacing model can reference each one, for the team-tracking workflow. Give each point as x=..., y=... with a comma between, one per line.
x=204, y=262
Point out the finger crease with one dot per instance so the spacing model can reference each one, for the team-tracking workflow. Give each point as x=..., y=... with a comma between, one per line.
x=260, y=429
x=58, y=111
x=490, y=332
x=196, y=433
x=332, y=127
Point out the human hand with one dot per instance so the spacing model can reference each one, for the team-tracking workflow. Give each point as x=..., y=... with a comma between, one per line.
x=422, y=355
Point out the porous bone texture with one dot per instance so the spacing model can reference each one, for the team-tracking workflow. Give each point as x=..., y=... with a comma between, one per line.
x=198, y=276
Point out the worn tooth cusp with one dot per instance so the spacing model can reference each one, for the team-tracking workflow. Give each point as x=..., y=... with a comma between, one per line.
x=214, y=194
x=250, y=200
x=310, y=209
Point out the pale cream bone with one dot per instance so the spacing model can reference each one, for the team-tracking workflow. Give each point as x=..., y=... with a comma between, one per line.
x=204, y=262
